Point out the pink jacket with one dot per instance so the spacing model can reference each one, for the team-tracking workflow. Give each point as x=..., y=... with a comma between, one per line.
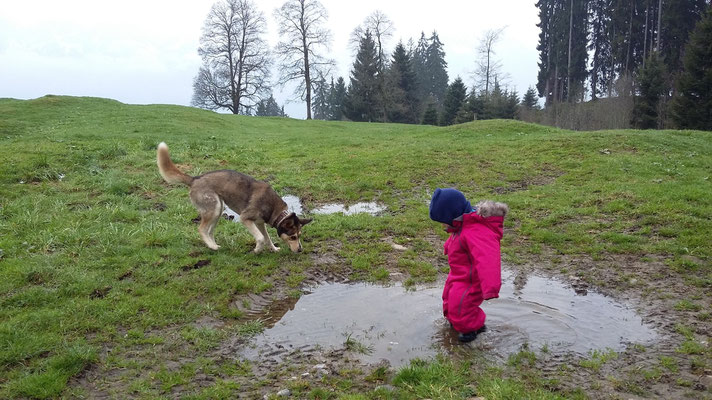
x=473, y=251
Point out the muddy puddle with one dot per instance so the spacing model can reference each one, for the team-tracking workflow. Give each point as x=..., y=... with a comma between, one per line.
x=293, y=205
x=395, y=324
x=358, y=208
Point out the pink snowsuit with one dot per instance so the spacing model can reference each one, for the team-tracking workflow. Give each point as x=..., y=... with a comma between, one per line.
x=473, y=252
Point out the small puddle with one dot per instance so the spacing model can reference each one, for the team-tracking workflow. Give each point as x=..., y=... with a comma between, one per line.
x=398, y=325
x=293, y=204
x=358, y=208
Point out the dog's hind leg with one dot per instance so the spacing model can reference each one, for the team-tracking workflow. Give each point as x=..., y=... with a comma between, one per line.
x=210, y=208
x=267, y=239
x=255, y=231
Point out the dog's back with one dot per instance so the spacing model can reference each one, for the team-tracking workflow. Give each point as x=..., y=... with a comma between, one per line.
x=250, y=198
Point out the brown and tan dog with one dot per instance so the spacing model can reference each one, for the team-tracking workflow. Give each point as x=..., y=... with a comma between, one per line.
x=255, y=201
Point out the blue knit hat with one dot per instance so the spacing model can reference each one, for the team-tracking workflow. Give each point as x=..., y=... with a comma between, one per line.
x=448, y=204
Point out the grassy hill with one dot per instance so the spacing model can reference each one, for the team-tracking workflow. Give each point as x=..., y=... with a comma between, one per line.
x=96, y=251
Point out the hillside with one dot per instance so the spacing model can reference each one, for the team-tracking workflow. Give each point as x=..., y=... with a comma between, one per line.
x=107, y=289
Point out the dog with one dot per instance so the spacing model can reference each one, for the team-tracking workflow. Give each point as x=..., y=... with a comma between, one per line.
x=255, y=201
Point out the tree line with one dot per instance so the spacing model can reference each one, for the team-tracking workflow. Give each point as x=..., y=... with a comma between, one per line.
x=654, y=51
x=409, y=85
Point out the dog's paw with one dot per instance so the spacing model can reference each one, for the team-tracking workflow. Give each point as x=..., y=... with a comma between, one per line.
x=214, y=247
x=275, y=249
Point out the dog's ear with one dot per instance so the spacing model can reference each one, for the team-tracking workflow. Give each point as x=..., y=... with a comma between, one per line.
x=289, y=221
x=305, y=221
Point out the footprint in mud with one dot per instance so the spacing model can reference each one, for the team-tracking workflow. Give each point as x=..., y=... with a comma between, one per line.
x=395, y=324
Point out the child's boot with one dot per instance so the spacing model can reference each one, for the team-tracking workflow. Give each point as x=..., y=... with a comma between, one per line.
x=470, y=336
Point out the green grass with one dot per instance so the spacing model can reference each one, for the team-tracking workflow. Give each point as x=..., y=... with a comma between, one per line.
x=94, y=246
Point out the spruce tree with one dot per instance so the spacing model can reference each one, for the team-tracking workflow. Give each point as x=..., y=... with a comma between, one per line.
x=402, y=87
x=454, y=98
x=511, y=105
x=419, y=56
x=692, y=109
x=261, y=109
x=337, y=97
x=272, y=108
x=320, y=101
x=362, y=95
x=472, y=108
x=679, y=18
x=652, y=85
x=601, y=73
x=495, y=103
x=436, y=69
x=530, y=100
x=430, y=116
x=268, y=108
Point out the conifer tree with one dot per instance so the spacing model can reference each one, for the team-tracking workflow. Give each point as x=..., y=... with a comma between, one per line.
x=600, y=47
x=320, y=102
x=436, y=69
x=261, y=109
x=273, y=109
x=679, y=18
x=454, y=99
x=430, y=116
x=652, y=85
x=402, y=88
x=337, y=97
x=530, y=100
x=562, y=49
x=472, y=108
x=269, y=108
x=362, y=96
x=692, y=109
x=500, y=104
x=419, y=56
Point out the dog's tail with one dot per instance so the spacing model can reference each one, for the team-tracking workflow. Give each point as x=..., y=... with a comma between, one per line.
x=168, y=170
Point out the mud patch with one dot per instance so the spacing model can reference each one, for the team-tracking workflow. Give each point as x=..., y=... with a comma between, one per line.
x=198, y=264
x=394, y=324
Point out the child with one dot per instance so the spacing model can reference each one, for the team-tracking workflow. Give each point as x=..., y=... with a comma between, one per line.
x=474, y=256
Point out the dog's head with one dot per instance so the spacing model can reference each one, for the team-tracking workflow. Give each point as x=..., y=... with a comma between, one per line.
x=290, y=229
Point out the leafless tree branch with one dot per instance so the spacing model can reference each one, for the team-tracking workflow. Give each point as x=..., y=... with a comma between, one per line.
x=303, y=37
x=236, y=58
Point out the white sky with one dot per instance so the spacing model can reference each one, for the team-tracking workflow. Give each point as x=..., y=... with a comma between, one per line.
x=145, y=51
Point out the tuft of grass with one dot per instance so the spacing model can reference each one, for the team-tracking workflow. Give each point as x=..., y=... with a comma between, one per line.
x=597, y=358
x=354, y=345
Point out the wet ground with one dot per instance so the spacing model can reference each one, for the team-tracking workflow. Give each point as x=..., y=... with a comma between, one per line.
x=371, y=208
x=395, y=324
x=294, y=204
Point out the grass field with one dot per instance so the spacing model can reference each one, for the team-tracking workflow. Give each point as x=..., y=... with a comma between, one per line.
x=99, y=288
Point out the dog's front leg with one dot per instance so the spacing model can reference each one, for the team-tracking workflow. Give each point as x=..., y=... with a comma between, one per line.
x=255, y=231
x=267, y=239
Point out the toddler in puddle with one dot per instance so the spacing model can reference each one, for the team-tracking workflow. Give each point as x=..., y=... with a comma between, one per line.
x=473, y=252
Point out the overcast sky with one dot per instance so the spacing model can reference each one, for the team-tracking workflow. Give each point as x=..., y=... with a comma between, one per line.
x=145, y=51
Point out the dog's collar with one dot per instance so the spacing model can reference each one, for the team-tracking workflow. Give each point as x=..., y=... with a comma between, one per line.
x=280, y=218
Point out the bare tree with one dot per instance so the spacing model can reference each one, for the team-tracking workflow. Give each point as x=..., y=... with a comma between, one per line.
x=302, y=35
x=488, y=68
x=381, y=28
x=236, y=60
